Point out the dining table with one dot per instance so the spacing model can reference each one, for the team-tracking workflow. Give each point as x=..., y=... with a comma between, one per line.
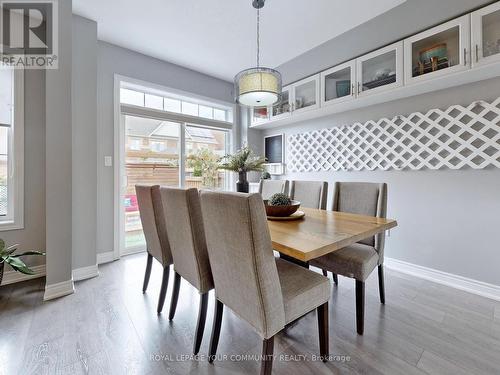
x=321, y=232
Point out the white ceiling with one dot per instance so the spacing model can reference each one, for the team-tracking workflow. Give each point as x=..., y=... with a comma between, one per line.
x=217, y=37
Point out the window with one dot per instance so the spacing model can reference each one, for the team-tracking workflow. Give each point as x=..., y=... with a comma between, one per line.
x=190, y=108
x=11, y=148
x=201, y=108
x=154, y=101
x=132, y=97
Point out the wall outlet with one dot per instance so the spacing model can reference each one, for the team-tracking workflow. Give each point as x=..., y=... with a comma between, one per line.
x=108, y=161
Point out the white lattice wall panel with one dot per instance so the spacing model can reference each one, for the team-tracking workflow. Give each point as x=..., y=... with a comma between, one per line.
x=454, y=138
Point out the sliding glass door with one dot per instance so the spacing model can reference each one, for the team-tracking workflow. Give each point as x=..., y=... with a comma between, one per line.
x=204, y=147
x=167, y=153
x=152, y=152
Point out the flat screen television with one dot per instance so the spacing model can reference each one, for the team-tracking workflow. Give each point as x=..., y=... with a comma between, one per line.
x=273, y=149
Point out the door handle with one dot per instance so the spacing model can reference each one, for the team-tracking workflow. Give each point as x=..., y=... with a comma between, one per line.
x=359, y=88
x=353, y=90
x=465, y=56
x=477, y=53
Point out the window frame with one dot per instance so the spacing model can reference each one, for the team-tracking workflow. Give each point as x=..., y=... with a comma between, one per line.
x=15, y=159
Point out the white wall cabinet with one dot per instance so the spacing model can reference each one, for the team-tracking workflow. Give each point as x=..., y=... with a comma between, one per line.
x=305, y=94
x=380, y=70
x=464, y=45
x=284, y=108
x=485, y=26
x=442, y=50
x=338, y=84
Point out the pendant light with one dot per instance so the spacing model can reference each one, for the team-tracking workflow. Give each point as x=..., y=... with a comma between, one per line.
x=259, y=86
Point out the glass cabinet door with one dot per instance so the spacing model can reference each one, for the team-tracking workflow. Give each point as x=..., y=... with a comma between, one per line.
x=486, y=35
x=306, y=94
x=441, y=50
x=259, y=115
x=380, y=70
x=283, y=108
x=338, y=84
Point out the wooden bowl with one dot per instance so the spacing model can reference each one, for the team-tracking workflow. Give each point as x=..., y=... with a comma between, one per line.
x=281, y=211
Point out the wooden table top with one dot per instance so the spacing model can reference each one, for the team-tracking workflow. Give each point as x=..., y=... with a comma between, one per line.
x=321, y=232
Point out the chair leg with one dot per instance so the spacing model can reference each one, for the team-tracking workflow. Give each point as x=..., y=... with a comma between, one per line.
x=200, y=326
x=360, y=306
x=149, y=263
x=175, y=296
x=266, y=367
x=335, y=278
x=324, y=350
x=214, y=339
x=325, y=273
x=163, y=289
x=381, y=286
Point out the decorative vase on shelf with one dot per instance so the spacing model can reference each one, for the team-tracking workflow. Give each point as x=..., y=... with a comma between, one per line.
x=242, y=185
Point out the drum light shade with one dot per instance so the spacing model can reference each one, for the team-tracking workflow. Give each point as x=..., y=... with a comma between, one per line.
x=258, y=87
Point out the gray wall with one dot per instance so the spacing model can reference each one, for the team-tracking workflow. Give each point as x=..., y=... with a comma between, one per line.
x=116, y=60
x=58, y=168
x=448, y=220
x=84, y=114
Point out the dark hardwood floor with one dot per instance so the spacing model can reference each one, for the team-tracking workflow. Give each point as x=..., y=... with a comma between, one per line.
x=109, y=327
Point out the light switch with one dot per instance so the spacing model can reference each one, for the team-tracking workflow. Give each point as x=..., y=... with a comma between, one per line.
x=108, y=161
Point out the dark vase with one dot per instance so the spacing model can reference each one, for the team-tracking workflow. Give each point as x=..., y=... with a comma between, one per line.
x=242, y=184
x=1, y=271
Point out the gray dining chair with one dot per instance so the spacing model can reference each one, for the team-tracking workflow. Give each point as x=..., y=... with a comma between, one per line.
x=153, y=226
x=189, y=250
x=267, y=188
x=359, y=260
x=312, y=194
x=267, y=293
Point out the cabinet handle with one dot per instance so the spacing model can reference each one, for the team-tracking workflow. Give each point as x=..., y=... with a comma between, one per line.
x=465, y=56
x=477, y=53
x=359, y=88
x=353, y=90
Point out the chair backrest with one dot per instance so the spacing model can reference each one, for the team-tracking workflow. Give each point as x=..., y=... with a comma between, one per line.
x=153, y=223
x=312, y=194
x=363, y=198
x=187, y=236
x=241, y=255
x=269, y=187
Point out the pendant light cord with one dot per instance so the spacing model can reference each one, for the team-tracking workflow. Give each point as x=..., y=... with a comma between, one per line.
x=258, y=38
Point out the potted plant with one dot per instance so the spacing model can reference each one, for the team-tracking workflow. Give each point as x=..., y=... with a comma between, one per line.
x=242, y=162
x=7, y=256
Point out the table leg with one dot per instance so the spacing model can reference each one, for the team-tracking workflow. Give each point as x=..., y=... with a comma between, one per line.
x=295, y=261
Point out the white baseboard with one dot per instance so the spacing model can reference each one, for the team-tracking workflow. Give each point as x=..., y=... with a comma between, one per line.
x=11, y=276
x=83, y=273
x=459, y=282
x=57, y=290
x=106, y=257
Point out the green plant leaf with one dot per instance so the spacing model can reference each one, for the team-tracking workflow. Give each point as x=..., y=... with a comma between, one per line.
x=2, y=244
x=10, y=249
x=27, y=253
x=18, y=265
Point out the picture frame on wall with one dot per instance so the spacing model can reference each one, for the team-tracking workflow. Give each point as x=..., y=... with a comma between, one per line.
x=274, y=152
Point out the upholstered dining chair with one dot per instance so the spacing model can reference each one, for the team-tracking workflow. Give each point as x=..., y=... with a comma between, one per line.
x=312, y=194
x=189, y=250
x=269, y=187
x=359, y=260
x=266, y=292
x=153, y=226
